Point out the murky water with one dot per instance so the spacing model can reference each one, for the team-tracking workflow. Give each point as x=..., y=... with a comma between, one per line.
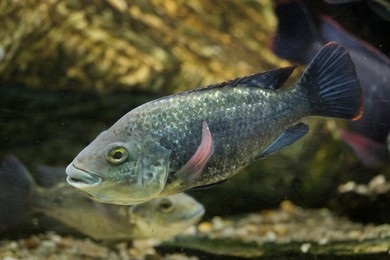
x=69, y=70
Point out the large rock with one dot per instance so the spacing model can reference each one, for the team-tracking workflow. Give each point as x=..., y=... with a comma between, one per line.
x=149, y=45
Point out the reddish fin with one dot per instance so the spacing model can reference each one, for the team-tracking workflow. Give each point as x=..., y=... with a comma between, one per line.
x=371, y=153
x=193, y=168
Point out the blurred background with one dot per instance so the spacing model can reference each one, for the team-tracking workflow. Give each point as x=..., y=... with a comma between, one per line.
x=69, y=69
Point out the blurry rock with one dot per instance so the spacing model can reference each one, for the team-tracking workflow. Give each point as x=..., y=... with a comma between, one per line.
x=289, y=232
x=365, y=202
x=153, y=45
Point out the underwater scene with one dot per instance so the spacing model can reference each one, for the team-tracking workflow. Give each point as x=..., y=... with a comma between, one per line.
x=238, y=129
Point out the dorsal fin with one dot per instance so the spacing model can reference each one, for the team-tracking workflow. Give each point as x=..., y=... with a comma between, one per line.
x=270, y=79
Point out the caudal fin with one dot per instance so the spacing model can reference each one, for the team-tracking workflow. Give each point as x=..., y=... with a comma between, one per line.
x=332, y=85
x=16, y=188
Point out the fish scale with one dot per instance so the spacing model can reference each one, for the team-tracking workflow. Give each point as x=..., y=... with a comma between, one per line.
x=242, y=129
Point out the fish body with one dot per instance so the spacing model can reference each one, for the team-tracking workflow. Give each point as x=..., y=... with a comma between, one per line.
x=300, y=40
x=381, y=7
x=158, y=218
x=205, y=136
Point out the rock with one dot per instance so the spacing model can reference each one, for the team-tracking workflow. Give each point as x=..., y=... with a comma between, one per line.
x=289, y=231
x=151, y=46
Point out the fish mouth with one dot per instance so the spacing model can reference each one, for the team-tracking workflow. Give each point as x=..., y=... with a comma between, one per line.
x=194, y=215
x=81, y=179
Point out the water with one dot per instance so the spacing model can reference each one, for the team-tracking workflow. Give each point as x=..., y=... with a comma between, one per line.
x=70, y=69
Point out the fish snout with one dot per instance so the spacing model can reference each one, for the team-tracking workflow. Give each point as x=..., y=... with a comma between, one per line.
x=81, y=179
x=197, y=213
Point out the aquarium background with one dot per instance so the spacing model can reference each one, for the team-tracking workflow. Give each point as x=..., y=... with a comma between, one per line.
x=70, y=69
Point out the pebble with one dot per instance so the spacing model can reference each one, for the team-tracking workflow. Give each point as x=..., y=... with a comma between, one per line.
x=289, y=223
x=305, y=247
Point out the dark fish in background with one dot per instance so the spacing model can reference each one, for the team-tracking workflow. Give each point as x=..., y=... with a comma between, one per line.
x=381, y=7
x=15, y=194
x=20, y=197
x=205, y=136
x=297, y=38
x=372, y=68
x=370, y=152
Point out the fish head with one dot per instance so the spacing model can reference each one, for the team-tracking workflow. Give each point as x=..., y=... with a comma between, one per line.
x=167, y=216
x=119, y=171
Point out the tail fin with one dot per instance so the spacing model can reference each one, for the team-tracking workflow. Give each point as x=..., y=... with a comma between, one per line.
x=332, y=85
x=16, y=189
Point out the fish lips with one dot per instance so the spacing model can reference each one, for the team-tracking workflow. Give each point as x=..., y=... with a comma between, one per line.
x=81, y=179
x=197, y=214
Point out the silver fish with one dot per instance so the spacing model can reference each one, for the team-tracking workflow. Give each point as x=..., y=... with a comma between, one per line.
x=158, y=218
x=205, y=136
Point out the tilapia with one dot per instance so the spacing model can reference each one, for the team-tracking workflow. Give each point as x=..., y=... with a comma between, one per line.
x=21, y=197
x=205, y=136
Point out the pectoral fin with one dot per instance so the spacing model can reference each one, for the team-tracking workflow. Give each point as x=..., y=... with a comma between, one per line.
x=194, y=166
x=289, y=136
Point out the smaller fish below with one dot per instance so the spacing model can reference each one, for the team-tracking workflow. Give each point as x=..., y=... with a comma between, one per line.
x=21, y=197
x=205, y=136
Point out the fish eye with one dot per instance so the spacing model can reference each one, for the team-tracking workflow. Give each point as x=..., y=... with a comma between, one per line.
x=117, y=155
x=165, y=205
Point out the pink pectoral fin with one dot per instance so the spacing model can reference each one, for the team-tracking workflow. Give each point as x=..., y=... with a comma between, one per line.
x=194, y=166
